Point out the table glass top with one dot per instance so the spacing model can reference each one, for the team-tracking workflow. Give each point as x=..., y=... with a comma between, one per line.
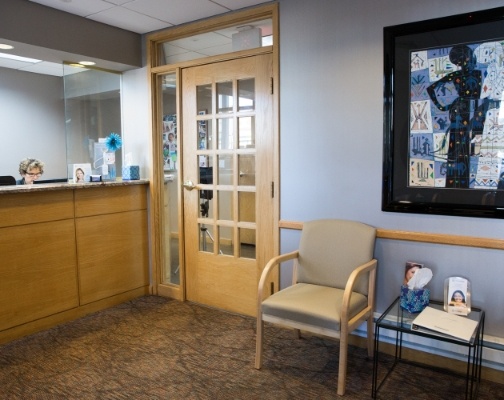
x=398, y=319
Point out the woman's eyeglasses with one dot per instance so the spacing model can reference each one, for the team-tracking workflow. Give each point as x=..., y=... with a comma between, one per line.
x=33, y=174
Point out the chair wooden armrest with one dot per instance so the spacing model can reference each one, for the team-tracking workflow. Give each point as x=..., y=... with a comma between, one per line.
x=348, y=325
x=369, y=267
x=270, y=266
x=355, y=275
x=274, y=262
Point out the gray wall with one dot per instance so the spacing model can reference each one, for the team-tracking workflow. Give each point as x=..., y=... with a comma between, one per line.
x=331, y=99
x=32, y=122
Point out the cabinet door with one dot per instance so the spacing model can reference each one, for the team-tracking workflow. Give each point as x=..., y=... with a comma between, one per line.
x=112, y=241
x=38, y=271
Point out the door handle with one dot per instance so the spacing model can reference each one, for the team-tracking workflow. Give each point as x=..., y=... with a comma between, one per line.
x=189, y=185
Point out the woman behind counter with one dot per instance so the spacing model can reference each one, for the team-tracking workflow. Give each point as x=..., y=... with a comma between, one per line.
x=30, y=169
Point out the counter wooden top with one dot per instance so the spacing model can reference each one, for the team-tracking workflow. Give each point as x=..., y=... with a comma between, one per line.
x=44, y=187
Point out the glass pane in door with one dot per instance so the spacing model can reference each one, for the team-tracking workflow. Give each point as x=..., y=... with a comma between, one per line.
x=225, y=201
x=204, y=130
x=225, y=134
x=247, y=243
x=171, y=270
x=225, y=99
x=206, y=240
x=225, y=170
x=246, y=207
x=246, y=133
x=246, y=94
x=204, y=99
x=206, y=193
x=246, y=168
x=226, y=241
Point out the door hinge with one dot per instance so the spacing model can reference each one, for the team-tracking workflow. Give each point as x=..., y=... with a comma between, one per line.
x=271, y=85
x=272, y=190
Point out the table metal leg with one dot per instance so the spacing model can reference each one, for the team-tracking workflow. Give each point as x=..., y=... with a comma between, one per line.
x=375, y=362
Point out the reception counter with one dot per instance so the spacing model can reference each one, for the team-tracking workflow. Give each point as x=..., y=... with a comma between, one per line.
x=67, y=250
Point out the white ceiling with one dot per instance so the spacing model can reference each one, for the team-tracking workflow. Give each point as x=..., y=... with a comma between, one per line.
x=140, y=16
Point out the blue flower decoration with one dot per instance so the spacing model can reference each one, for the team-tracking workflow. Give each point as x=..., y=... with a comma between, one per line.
x=113, y=142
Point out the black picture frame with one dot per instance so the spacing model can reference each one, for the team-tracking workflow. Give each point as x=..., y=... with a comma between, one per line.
x=457, y=197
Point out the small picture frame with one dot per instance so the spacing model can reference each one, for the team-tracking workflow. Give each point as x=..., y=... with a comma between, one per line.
x=79, y=173
x=457, y=293
x=409, y=270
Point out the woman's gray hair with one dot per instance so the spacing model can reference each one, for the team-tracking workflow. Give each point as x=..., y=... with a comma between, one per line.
x=30, y=163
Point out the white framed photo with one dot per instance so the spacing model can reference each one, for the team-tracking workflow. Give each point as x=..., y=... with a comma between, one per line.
x=457, y=295
x=79, y=173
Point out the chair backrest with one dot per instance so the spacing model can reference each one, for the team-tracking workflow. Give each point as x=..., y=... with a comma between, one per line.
x=330, y=249
x=7, y=180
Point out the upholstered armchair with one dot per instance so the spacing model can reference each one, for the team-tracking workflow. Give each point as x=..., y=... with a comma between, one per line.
x=333, y=286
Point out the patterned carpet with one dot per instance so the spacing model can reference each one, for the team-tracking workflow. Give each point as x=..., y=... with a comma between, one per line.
x=156, y=348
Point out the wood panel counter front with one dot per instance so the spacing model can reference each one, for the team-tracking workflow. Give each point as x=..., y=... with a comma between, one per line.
x=69, y=250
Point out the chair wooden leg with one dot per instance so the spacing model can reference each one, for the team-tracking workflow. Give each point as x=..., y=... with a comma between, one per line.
x=343, y=355
x=370, y=337
x=259, y=342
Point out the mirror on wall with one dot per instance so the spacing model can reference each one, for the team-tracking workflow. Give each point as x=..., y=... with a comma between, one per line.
x=32, y=122
x=57, y=119
x=92, y=115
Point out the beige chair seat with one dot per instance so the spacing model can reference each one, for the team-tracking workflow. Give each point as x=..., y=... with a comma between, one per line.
x=309, y=304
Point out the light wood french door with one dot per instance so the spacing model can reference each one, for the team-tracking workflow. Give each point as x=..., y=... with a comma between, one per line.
x=227, y=147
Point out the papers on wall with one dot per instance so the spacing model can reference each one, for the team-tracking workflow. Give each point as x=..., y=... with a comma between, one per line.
x=449, y=324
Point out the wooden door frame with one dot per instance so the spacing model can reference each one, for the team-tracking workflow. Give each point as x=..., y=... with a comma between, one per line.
x=156, y=177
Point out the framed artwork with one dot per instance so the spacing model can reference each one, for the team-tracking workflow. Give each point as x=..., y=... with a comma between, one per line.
x=443, y=125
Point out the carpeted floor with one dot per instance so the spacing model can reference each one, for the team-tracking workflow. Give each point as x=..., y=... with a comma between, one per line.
x=156, y=348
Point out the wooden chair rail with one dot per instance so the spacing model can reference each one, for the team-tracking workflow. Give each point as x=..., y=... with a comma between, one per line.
x=438, y=238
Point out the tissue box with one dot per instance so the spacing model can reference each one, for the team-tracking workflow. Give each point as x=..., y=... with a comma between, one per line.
x=414, y=300
x=131, y=173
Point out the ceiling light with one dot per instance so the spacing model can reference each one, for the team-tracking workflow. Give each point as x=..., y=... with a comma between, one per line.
x=18, y=58
x=244, y=28
x=87, y=63
x=5, y=46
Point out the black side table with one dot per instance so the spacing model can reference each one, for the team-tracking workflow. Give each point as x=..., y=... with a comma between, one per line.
x=399, y=320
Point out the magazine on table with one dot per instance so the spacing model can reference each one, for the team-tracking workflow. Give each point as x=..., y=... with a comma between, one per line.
x=443, y=322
